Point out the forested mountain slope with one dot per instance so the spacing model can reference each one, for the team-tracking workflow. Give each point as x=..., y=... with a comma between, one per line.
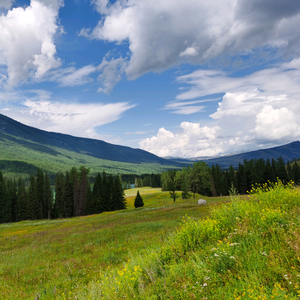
x=91, y=147
x=23, y=147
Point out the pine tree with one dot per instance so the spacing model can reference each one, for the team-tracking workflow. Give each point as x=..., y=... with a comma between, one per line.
x=33, y=205
x=83, y=189
x=60, y=195
x=69, y=195
x=12, y=200
x=48, y=197
x=296, y=170
x=40, y=192
x=76, y=196
x=138, y=201
x=232, y=177
x=97, y=194
x=274, y=167
x=22, y=201
x=290, y=172
x=89, y=207
x=105, y=193
x=224, y=187
x=118, y=196
x=3, y=199
x=269, y=172
x=6, y=208
x=75, y=181
x=282, y=174
x=110, y=187
x=242, y=180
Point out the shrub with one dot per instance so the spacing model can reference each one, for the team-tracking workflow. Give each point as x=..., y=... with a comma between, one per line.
x=138, y=202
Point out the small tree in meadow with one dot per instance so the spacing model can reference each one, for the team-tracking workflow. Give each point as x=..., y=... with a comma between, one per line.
x=138, y=202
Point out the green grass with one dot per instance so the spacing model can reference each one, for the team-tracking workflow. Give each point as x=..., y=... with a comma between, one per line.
x=49, y=258
x=245, y=249
x=238, y=248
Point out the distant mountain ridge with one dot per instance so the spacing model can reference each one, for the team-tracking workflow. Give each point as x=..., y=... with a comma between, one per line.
x=288, y=152
x=91, y=147
x=60, y=148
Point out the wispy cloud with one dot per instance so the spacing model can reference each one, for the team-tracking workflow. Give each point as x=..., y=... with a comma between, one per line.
x=78, y=119
x=139, y=132
x=187, y=107
x=71, y=76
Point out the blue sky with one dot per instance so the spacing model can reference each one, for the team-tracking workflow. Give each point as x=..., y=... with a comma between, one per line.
x=176, y=78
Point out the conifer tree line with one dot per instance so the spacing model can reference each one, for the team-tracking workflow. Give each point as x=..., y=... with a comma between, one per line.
x=214, y=181
x=73, y=196
x=18, y=202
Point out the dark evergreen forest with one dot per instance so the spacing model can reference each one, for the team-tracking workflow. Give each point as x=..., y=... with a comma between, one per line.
x=73, y=196
x=214, y=181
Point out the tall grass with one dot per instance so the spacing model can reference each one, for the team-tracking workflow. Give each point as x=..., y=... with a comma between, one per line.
x=246, y=249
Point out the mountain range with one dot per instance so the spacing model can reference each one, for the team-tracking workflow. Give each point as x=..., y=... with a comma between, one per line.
x=59, y=152
x=288, y=152
x=24, y=148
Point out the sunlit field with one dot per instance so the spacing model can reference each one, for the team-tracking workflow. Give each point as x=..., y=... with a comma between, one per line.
x=59, y=258
x=232, y=248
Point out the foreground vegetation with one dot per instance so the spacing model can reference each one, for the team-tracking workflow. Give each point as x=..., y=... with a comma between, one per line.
x=240, y=249
x=243, y=250
x=44, y=259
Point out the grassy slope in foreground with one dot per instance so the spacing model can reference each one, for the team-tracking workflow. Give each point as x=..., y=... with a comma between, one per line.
x=60, y=160
x=49, y=258
x=243, y=250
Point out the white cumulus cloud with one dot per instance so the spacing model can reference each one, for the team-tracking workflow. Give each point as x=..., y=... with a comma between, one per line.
x=276, y=124
x=27, y=40
x=192, y=141
x=164, y=33
x=257, y=111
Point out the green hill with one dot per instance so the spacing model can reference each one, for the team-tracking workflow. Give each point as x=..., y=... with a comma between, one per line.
x=56, y=152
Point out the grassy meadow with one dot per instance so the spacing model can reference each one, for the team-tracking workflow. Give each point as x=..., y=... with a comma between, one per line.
x=57, y=259
x=233, y=248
